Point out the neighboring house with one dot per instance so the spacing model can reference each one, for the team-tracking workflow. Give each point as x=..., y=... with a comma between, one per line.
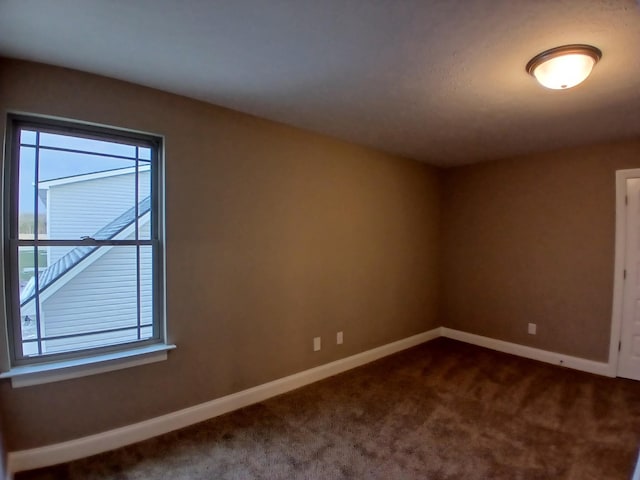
x=83, y=204
x=88, y=289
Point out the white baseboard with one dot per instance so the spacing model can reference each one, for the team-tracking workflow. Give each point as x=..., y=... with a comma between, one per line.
x=93, y=444
x=576, y=363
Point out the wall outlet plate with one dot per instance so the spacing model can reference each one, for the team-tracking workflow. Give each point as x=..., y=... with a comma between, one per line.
x=339, y=338
x=316, y=344
x=532, y=329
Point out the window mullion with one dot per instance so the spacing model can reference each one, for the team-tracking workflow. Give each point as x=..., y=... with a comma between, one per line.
x=82, y=243
x=36, y=259
x=85, y=152
x=137, y=237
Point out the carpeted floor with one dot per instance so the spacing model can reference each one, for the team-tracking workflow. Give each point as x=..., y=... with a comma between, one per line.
x=442, y=410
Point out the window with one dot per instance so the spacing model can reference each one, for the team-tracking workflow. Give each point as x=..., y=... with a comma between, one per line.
x=83, y=251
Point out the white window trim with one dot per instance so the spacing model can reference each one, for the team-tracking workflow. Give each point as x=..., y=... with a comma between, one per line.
x=36, y=374
x=76, y=367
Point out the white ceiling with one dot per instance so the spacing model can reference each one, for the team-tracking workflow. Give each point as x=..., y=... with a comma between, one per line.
x=442, y=81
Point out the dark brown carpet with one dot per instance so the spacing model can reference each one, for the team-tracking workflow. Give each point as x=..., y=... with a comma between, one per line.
x=443, y=410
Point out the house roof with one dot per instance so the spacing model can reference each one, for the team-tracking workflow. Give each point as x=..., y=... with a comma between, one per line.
x=83, y=177
x=62, y=266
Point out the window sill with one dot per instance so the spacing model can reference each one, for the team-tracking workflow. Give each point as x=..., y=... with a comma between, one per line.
x=28, y=375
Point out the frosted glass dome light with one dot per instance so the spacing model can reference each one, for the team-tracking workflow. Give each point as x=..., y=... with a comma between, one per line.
x=564, y=67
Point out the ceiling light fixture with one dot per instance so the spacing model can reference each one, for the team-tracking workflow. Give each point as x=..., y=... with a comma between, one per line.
x=564, y=67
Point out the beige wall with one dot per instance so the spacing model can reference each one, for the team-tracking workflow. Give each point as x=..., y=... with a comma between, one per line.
x=274, y=236
x=532, y=240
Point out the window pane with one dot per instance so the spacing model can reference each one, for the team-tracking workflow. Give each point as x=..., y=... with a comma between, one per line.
x=56, y=165
x=28, y=137
x=87, y=145
x=84, y=205
x=27, y=267
x=93, y=340
x=144, y=202
x=26, y=197
x=144, y=153
x=80, y=296
x=30, y=348
x=146, y=287
x=85, y=295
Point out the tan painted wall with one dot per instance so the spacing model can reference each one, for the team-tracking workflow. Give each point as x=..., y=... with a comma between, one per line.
x=274, y=235
x=532, y=240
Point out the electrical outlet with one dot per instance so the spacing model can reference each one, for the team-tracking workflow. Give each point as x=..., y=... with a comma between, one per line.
x=339, y=338
x=532, y=329
x=316, y=344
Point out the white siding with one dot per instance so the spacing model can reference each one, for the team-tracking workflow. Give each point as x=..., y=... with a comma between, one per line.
x=102, y=296
x=82, y=208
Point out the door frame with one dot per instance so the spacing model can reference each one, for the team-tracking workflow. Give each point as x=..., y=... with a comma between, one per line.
x=619, y=264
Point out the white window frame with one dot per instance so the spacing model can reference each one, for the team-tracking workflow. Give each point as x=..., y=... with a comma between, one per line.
x=45, y=368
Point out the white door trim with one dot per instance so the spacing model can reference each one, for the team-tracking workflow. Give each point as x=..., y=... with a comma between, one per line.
x=618, y=270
